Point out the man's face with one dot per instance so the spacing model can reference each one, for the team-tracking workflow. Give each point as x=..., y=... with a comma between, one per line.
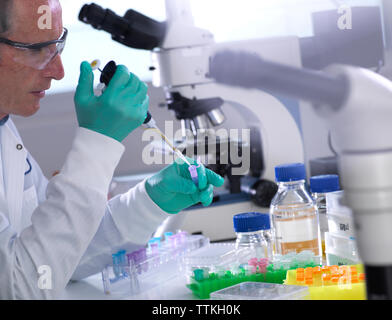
x=22, y=86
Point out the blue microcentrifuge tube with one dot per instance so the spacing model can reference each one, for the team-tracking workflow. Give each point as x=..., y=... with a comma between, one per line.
x=116, y=265
x=123, y=262
x=167, y=235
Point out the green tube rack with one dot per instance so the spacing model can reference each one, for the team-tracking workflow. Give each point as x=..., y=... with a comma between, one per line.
x=202, y=286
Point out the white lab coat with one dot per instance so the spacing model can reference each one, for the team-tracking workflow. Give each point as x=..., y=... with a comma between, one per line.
x=66, y=223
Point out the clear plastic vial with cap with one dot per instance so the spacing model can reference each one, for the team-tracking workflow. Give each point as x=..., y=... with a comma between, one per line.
x=294, y=215
x=320, y=186
x=253, y=236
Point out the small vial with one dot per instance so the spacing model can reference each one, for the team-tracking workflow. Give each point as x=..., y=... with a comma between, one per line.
x=294, y=215
x=167, y=235
x=253, y=240
x=326, y=279
x=116, y=264
x=320, y=186
x=317, y=276
x=193, y=172
x=300, y=279
x=123, y=263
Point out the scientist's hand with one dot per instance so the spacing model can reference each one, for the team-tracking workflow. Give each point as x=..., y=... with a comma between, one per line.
x=173, y=190
x=119, y=110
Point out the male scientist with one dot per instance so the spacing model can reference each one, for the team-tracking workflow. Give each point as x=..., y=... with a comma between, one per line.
x=65, y=228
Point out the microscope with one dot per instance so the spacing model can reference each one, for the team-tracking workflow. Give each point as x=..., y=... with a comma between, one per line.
x=180, y=56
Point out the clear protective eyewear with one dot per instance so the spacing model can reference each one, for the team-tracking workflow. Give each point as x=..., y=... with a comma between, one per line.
x=37, y=55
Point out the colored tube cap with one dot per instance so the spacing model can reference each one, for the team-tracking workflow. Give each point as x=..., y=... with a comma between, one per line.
x=199, y=274
x=324, y=183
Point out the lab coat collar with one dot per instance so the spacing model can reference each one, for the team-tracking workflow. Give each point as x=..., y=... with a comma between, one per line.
x=4, y=120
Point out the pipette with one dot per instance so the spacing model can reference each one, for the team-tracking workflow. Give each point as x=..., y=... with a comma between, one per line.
x=106, y=75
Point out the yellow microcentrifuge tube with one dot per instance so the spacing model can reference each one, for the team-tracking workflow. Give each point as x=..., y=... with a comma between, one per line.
x=95, y=64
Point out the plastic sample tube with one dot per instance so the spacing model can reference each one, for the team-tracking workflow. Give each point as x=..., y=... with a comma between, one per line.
x=193, y=172
x=122, y=260
x=167, y=235
x=317, y=276
x=116, y=265
x=199, y=274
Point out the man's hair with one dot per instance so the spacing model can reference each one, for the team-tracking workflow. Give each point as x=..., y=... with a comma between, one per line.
x=5, y=21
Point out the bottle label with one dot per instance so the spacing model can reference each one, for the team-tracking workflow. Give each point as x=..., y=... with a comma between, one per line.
x=296, y=231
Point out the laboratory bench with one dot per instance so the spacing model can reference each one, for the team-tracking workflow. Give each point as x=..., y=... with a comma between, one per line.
x=91, y=288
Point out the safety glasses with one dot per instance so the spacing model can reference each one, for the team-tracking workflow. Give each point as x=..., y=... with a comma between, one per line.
x=37, y=55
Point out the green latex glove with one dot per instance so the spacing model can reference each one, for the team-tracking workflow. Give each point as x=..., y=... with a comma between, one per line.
x=173, y=190
x=119, y=110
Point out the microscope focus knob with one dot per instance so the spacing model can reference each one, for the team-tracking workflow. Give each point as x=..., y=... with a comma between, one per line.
x=263, y=192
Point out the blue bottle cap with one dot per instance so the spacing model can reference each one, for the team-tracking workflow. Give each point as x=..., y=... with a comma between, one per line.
x=251, y=221
x=324, y=183
x=290, y=172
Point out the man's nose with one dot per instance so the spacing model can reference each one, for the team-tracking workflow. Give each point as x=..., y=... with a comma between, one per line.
x=55, y=69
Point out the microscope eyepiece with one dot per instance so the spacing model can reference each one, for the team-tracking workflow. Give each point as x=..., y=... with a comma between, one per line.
x=92, y=14
x=133, y=30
